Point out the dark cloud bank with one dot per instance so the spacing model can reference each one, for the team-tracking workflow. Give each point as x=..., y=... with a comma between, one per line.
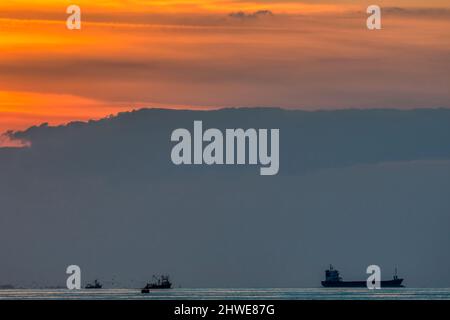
x=355, y=188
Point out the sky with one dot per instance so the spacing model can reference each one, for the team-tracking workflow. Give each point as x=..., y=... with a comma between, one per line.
x=340, y=169
x=197, y=54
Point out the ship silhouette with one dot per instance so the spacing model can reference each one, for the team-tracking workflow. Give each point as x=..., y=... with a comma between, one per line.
x=162, y=282
x=334, y=280
x=95, y=285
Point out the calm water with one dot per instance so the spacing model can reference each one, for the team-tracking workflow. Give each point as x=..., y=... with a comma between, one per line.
x=238, y=294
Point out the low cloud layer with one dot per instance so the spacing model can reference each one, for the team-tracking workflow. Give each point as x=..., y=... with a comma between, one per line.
x=355, y=188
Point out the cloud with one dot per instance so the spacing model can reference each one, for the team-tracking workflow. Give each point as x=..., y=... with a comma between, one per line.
x=108, y=191
x=423, y=12
x=256, y=14
x=432, y=143
x=7, y=140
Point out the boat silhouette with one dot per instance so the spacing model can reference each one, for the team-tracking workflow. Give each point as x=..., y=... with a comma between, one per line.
x=95, y=285
x=334, y=280
x=162, y=282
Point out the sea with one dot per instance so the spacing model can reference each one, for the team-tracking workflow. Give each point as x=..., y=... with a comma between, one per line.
x=231, y=294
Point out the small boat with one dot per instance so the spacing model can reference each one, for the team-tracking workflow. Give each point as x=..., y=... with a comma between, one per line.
x=95, y=285
x=162, y=282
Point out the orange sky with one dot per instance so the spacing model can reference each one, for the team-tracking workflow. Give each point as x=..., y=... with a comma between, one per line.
x=191, y=53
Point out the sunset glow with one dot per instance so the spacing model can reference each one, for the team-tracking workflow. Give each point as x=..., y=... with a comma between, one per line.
x=194, y=54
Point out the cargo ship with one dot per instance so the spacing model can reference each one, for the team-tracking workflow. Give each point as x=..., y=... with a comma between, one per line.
x=334, y=280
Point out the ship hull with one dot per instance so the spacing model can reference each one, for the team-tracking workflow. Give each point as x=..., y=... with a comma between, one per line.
x=395, y=283
x=156, y=287
x=147, y=290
